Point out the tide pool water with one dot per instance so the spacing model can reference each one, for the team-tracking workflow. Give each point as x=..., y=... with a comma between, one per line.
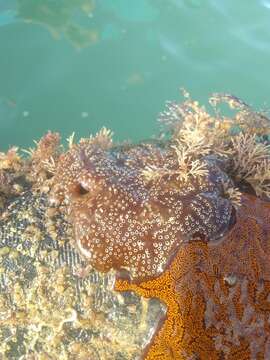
x=78, y=65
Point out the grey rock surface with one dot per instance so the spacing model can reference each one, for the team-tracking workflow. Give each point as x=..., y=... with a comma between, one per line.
x=50, y=306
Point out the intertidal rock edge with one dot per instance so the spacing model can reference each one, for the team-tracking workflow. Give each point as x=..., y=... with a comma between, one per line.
x=183, y=220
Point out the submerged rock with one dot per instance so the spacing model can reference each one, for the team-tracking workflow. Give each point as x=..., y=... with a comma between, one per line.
x=48, y=309
x=180, y=226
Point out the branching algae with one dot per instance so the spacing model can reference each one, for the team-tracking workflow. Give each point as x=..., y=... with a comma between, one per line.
x=183, y=222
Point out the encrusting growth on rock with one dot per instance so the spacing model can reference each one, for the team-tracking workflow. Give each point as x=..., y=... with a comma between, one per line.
x=185, y=220
x=243, y=139
x=43, y=159
x=173, y=219
x=11, y=173
x=251, y=162
x=122, y=221
x=217, y=296
x=19, y=174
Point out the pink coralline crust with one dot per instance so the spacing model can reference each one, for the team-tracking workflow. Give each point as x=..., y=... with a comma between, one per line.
x=122, y=221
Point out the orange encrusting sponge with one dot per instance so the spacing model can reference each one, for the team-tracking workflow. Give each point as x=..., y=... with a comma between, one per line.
x=217, y=294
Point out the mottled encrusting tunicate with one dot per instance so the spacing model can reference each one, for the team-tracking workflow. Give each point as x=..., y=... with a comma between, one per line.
x=185, y=221
x=122, y=220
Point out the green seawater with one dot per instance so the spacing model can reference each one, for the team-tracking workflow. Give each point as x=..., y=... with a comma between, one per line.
x=78, y=65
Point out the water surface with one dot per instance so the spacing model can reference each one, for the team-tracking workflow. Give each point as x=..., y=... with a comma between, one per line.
x=77, y=65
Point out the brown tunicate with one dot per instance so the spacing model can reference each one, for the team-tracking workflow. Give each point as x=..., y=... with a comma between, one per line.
x=122, y=221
